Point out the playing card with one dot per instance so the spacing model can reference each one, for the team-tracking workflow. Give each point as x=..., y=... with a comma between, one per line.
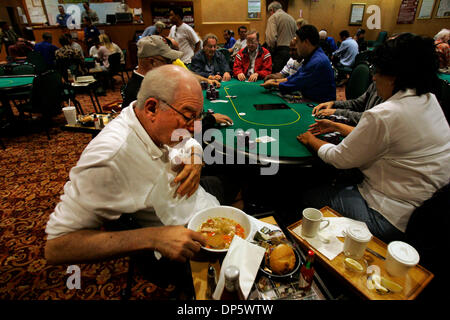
x=265, y=139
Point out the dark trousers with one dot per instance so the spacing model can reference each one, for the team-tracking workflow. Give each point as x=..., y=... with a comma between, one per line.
x=280, y=56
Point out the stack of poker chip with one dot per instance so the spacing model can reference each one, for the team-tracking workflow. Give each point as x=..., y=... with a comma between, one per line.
x=204, y=85
x=332, y=137
x=212, y=93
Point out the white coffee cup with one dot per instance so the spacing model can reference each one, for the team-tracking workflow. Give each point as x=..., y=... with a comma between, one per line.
x=400, y=258
x=312, y=218
x=356, y=240
x=71, y=115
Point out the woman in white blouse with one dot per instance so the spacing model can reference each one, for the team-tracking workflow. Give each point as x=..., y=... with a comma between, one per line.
x=401, y=146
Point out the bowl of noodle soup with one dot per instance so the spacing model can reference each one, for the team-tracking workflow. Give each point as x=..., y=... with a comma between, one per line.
x=220, y=225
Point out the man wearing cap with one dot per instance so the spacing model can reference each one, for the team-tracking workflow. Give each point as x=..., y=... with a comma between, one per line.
x=154, y=30
x=153, y=51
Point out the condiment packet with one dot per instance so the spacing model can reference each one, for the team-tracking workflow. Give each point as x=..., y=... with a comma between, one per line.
x=247, y=257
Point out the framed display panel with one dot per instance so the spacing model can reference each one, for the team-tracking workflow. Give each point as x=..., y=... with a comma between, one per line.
x=443, y=9
x=356, y=14
x=426, y=9
x=254, y=10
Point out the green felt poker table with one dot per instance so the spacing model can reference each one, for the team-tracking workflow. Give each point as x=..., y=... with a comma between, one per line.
x=444, y=76
x=12, y=82
x=13, y=85
x=284, y=125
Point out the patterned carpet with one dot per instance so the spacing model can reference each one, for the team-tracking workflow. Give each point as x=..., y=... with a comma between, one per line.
x=33, y=171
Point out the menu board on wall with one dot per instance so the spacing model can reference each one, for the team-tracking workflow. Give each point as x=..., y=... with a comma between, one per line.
x=160, y=12
x=407, y=11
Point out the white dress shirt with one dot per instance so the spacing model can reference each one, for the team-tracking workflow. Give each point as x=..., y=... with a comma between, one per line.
x=123, y=171
x=291, y=67
x=402, y=147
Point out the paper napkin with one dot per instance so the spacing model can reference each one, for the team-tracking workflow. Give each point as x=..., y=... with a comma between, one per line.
x=247, y=257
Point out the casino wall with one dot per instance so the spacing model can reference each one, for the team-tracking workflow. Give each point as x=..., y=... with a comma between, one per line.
x=333, y=15
x=216, y=15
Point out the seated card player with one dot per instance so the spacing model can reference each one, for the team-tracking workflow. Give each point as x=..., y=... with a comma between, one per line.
x=253, y=62
x=350, y=109
x=401, y=146
x=315, y=78
x=127, y=168
x=209, y=62
x=292, y=66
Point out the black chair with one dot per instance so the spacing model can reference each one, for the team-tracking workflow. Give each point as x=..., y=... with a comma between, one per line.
x=46, y=98
x=427, y=231
x=115, y=68
x=382, y=36
x=23, y=69
x=226, y=54
x=124, y=65
x=363, y=57
x=360, y=79
x=36, y=59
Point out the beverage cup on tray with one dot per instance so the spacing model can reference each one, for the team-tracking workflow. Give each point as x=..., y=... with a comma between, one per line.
x=71, y=115
x=356, y=240
x=311, y=222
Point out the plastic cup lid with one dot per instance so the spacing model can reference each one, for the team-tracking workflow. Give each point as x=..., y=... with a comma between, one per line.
x=359, y=233
x=404, y=253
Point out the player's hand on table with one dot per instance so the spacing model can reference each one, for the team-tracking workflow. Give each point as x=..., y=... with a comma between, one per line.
x=326, y=112
x=321, y=127
x=324, y=105
x=216, y=77
x=226, y=77
x=253, y=77
x=305, y=138
x=269, y=83
x=189, y=176
x=177, y=242
x=214, y=83
x=241, y=77
x=221, y=118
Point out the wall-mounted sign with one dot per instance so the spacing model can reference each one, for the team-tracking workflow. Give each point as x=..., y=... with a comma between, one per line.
x=160, y=12
x=254, y=9
x=357, y=14
x=407, y=11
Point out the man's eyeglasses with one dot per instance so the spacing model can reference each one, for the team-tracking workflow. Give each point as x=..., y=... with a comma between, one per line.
x=189, y=120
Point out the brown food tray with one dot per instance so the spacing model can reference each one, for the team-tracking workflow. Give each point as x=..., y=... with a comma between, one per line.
x=416, y=280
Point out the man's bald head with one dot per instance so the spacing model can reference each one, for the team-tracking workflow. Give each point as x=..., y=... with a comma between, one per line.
x=166, y=82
